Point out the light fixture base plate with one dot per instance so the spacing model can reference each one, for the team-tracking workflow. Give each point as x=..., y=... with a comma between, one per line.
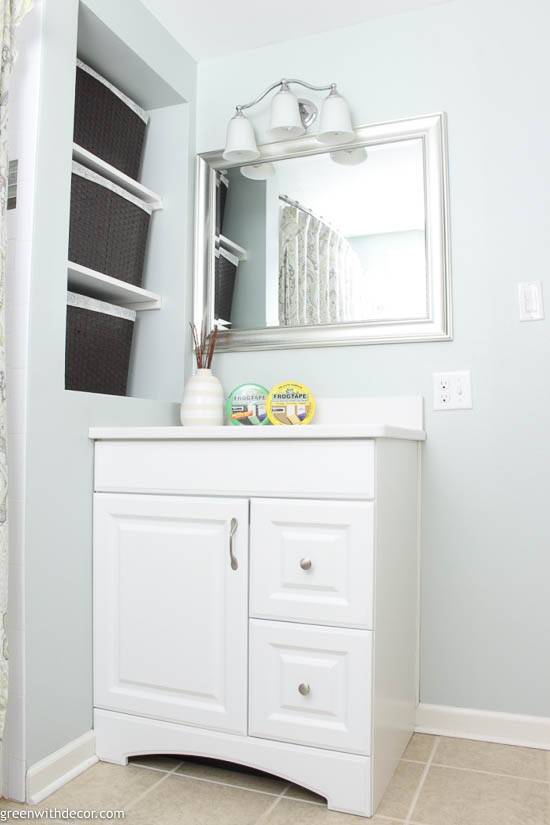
x=308, y=111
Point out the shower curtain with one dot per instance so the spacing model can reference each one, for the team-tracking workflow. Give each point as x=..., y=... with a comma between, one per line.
x=320, y=276
x=11, y=14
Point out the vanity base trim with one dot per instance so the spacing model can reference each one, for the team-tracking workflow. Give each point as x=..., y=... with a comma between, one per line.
x=343, y=779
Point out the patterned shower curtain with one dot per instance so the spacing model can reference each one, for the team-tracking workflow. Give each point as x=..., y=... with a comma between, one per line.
x=11, y=14
x=320, y=276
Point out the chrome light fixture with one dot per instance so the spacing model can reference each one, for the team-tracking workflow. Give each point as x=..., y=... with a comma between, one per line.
x=240, y=143
x=336, y=126
x=290, y=117
x=286, y=121
x=258, y=171
x=349, y=157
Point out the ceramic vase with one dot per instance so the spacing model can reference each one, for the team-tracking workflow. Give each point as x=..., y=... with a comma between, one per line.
x=203, y=400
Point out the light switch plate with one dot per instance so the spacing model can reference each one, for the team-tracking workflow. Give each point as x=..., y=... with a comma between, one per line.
x=531, y=303
x=452, y=390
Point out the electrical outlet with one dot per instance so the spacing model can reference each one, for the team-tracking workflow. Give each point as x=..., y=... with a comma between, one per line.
x=452, y=390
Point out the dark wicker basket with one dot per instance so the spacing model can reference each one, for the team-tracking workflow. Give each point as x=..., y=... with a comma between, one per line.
x=222, y=187
x=98, y=345
x=108, y=227
x=107, y=123
x=225, y=274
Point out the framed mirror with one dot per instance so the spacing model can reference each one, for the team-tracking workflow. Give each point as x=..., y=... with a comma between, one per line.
x=316, y=246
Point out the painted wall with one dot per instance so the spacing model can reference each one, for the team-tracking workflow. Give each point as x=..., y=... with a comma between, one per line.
x=59, y=474
x=486, y=476
x=245, y=224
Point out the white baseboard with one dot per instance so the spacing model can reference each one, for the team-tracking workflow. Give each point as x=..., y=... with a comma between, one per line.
x=46, y=776
x=484, y=725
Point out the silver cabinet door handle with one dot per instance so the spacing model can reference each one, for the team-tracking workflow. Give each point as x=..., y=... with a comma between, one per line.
x=305, y=564
x=304, y=689
x=232, y=556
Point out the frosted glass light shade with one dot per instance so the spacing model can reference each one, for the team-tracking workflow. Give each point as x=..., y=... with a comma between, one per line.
x=258, y=171
x=240, y=144
x=349, y=157
x=335, y=125
x=286, y=121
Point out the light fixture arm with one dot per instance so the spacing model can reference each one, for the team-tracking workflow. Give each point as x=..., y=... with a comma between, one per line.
x=283, y=84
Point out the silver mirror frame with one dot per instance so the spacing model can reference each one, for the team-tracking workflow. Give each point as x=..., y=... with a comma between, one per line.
x=432, y=130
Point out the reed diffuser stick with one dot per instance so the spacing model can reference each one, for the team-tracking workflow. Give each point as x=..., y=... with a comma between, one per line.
x=204, y=345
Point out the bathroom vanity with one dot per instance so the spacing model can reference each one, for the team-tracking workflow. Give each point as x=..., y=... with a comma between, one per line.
x=256, y=599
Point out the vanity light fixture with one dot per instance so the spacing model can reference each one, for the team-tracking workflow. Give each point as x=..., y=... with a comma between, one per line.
x=258, y=171
x=290, y=117
x=349, y=157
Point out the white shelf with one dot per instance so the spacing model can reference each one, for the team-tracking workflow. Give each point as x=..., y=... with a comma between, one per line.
x=233, y=247
x=102, y=168
x=105, y=288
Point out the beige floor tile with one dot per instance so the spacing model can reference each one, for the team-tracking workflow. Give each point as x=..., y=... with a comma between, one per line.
x=179, y=800
x=233, y=776
x=297, y=792
x=9, y=805
x=159, y=761
x=459, y=797
x=290, y=812
x=400, y=792
x=419, y=747
x=486, y=756
x=103, y=787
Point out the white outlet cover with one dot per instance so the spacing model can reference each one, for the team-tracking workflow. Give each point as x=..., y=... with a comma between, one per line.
x=452, y=390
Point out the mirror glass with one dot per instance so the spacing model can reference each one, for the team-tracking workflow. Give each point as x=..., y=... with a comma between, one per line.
x=316, y=246
x=325, y=239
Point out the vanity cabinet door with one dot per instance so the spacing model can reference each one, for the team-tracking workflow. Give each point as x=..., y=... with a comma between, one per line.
x=170, y=608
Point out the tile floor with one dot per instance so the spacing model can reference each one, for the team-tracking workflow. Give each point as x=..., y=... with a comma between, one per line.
x=439, y=781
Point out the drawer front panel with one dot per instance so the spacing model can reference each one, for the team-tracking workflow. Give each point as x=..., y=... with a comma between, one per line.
x=311, y=469
x=312, y=561
x=311, y=685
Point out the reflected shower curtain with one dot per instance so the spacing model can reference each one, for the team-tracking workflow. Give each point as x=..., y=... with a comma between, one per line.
x=320, y=277
x=11, y=14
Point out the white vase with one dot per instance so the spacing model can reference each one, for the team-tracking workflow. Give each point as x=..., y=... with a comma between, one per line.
x=203, y=400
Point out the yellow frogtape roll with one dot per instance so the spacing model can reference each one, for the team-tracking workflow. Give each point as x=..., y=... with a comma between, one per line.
x=290, y=403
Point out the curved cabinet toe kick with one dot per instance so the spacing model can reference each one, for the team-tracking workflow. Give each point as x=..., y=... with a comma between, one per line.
x=266, y=613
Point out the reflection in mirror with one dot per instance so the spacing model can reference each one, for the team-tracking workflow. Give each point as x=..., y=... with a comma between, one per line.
x=331, y=238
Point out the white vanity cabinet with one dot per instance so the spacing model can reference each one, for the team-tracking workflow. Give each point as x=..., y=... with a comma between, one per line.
x=255, y=609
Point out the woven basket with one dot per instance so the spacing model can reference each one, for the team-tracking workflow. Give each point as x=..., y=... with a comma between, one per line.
x=222, y=187
x=98, y=345
x=108, y=227
x=225, y=273
x=107, y=123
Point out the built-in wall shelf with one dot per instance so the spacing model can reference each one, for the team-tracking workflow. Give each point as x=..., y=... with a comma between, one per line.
x=105, y=288
x=111, y=173
x=233, y=247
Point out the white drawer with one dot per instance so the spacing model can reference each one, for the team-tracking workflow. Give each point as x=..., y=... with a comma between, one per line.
x=312, y=468
x=312, y=561
x=311, y=685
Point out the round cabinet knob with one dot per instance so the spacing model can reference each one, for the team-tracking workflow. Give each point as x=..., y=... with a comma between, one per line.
x=305, y=564
x=304, y=689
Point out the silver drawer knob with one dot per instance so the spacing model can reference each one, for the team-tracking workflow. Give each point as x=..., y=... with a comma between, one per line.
x=305, y=564
x=304, y=689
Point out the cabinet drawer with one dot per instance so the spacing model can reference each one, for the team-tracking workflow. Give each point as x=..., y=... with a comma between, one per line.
x=312, y=561
x=312, y=468
x=311, y=685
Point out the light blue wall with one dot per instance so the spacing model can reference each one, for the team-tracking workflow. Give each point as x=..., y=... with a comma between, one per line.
x=59, y=464
x=486, y=477
x=245, y=224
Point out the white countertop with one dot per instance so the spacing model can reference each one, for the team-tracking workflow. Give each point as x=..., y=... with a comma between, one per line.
x=253, y=433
